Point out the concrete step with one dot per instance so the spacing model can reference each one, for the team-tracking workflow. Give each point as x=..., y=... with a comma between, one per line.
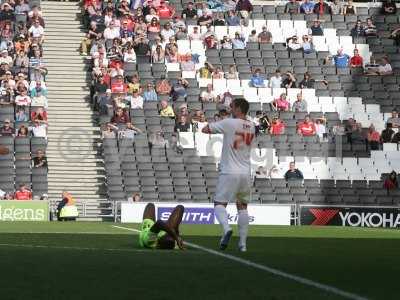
x=76, y=193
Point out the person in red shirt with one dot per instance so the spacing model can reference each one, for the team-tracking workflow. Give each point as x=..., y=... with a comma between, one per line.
x=356, y=61
x=306, y=128
x=23, y=193
x=277, y=127
x=118, y=85
x=281, y=103
x=165, y=11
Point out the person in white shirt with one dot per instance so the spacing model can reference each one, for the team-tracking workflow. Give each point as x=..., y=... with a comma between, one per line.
x=234, y=182
x=37, y=31
x=111, y=32
x=23, y=99
x=5, y=58
x=208, y=95
x=320, y=128
x=130, y=55
x=39, y=129
x=136, y=100
x=195, y=35
x=276, y=80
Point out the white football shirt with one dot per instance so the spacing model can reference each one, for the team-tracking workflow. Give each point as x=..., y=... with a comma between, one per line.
x=238, y=137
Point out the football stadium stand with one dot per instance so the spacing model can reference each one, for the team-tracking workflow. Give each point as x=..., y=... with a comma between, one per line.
x=322, y=82
x=162, y=71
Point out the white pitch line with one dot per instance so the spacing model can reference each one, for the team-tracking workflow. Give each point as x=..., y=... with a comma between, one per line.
x=299, y=279
x=72, y=248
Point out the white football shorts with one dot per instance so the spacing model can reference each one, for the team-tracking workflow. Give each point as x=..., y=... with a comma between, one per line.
x=232, y=188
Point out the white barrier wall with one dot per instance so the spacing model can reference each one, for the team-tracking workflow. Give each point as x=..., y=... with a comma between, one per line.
x=203, y=213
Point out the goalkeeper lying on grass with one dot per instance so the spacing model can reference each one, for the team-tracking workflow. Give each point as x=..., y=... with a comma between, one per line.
x=160, y=234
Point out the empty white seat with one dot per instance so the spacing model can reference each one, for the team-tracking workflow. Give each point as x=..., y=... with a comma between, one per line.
x=183, y=46
x=173, y=67
x=355, y=100
x=201, y=140
x=221, y=31
x=314, y=107
x=258, y=24
x=390, y=147
x=197, y=46
x=251, y=94
x=233, y=29
x=278, y=91
x=308, y=93
x=273, y=24
x=363, y=49
x=188, y=74
x=329, y=32
x=203, y=82
x=373, y=109
x=325, y=100
x=234, y=87
x=214, y=147
x=186, y=140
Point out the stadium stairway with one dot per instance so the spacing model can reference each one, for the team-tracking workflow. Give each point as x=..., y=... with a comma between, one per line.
x=73, y=136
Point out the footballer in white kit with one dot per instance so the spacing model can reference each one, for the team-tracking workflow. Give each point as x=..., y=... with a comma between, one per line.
x=234, y=182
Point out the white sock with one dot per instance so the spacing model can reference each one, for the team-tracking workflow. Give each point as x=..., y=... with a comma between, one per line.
x=243, y=225
x=222, y=216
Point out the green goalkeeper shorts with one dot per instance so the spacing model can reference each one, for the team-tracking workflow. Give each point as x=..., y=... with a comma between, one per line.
x=147, y=238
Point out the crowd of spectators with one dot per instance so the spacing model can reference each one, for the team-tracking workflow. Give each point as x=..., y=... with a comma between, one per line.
x=23, y=91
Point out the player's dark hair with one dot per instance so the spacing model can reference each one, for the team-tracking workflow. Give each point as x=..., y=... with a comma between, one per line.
x=242, y=104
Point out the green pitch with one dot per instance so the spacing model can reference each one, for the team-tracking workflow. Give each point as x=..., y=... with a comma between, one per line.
x=98, y=261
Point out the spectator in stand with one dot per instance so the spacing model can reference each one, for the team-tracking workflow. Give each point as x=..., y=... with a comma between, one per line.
x=189, y=13
x=341, y=60
x=257, y=80
x=5, y=58
x=336, y=7
x=179, y=89
x=199, y=120
x=129, y=131
x=306, y=128
x=307, y=82
x=300, y=105
x=120, y=117
x=183, y=125
x=39, y=129
x=38, y=90
x=373, y=138
x=23, y=193
x=36, y=31
x=104, y=102
x=154, y=26
x=109, y=131
x=232, y=73
x=232, y=19
x=357, y=136
x=219, y=20
x=165, y=11
x=224, y=101
x=204, y=20
x=163, y=87
x=23, y=131
x=40, y=160
x=277, y=126
x=206, y=71
x=281, y=103
x=394, y=120
x=357, y=30
x=387, y=134
x=391, y=181
x=307, y=44
x=226, y=43
x=316, y=29
x=158, y=55
x=293, y=173
x=21, y=115
x=265, y=37
x=150, y=93
x=276, y=80
x=208, y=95
x=292, y=7
x=166, y=110
x=244, y=7
x=370, y=28
x=385, y=68
x=142, y=48
x=151, y=15
x=195, y=35
x=389, y=7
x=238, y=42
x=307, y=7
x=136, y=100
x=252, y=38
x=322, y=8
x=293, y=43
x=356, y=61
x=92, y=35
x=40, y=114
x=396, y=138
x=349, y=9
x=7, y=129
x=157, y=140
x=129, y=55
x=320, y=128
x=290, y=81
x=217, y=73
